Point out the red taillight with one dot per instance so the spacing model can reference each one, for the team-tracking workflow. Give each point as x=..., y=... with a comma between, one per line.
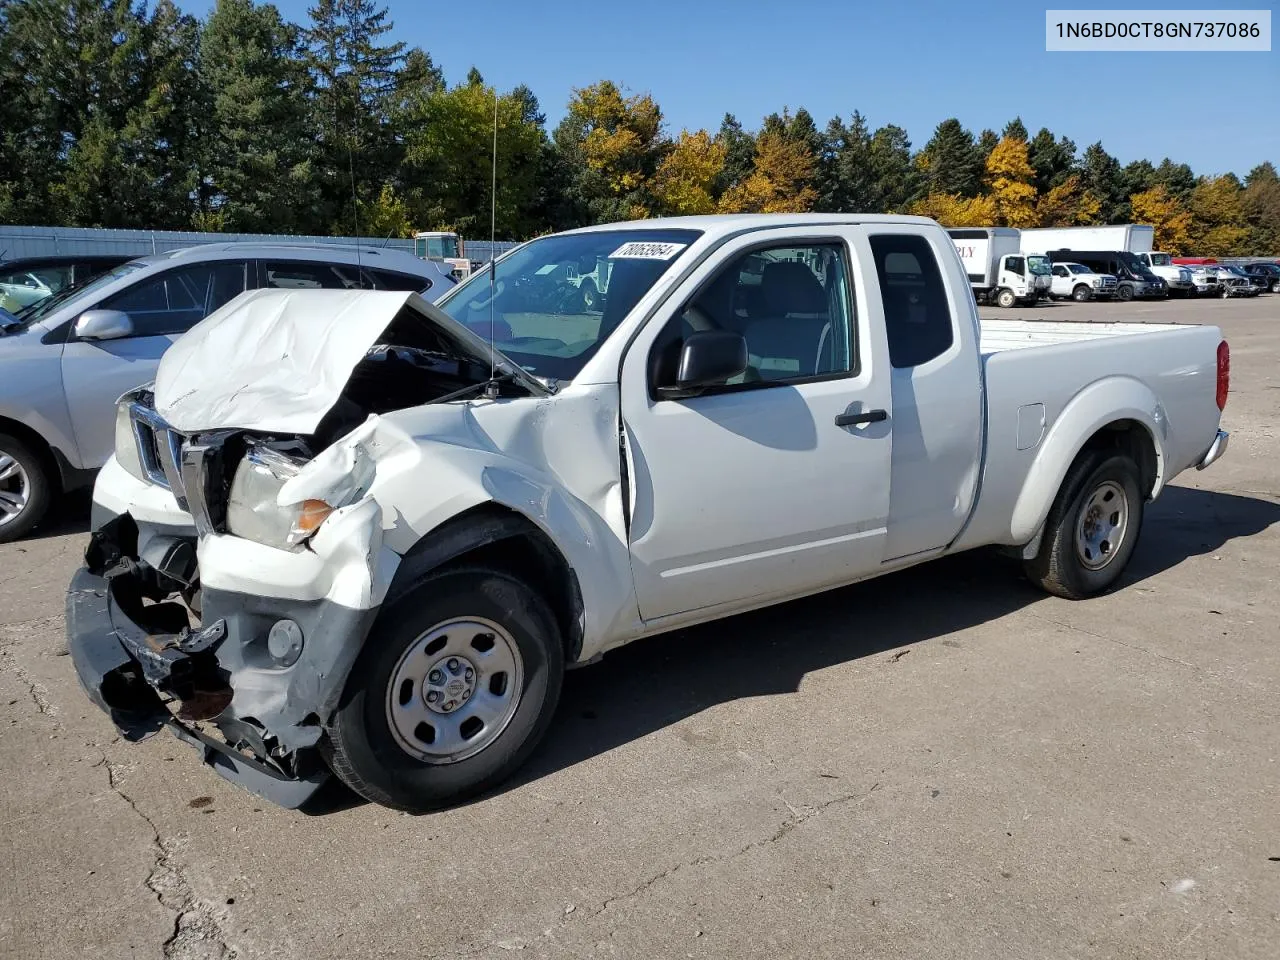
x=1224, y=374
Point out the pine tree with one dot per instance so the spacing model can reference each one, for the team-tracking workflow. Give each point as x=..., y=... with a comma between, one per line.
x=739, y=154
x=1261, y=203
x=356, y=79
x=895, y=179
x=1100, y=174
x=950, y=162
x=1053, y=160
x=1015, y=129
x=257, y=171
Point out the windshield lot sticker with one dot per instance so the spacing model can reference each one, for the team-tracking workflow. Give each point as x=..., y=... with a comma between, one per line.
x=644, y=250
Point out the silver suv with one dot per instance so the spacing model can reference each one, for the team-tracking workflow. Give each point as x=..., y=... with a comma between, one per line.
x=66, y=360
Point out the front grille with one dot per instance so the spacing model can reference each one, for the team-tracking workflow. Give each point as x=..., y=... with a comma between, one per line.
x=159, y=448
x=1108, y=281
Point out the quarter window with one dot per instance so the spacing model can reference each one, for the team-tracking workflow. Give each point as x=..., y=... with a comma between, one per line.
x=791, y=304
x=917, y=312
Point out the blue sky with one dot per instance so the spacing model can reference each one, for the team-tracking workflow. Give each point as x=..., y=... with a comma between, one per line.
x=912, y=64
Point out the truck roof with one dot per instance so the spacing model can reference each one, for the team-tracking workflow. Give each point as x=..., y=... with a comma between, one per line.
x=720, y=224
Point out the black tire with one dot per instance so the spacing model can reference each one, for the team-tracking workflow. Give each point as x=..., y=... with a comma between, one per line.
x=1058, y=566
x=590, y=295
x=29, y=474
x=1081, y=293
x=360, y=746
x=1005, y=299
x=1124, y=292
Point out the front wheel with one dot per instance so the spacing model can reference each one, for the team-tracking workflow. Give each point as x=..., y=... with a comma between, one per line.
x=590, y=296
x=1005, y=298
x=25, y=488
x=455, y=686
x=1081, y=293
x=1092, y=528
x=1125, y=293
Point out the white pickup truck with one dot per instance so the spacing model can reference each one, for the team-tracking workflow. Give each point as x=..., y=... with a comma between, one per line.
x=340, y=533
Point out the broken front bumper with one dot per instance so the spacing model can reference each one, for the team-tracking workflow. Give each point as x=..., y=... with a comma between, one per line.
x=264, y=671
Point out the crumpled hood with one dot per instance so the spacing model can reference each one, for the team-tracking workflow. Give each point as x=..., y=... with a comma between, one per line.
x=278, y=360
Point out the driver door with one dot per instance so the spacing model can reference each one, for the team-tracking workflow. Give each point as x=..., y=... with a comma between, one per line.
x=777, y=482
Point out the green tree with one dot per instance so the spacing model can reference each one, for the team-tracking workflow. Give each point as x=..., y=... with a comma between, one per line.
x=1177, y=178
x=1261, y=203
x=895, y=179
x=448, y=162
x=257, y=173
x=739, y=154
x=950, y=162
x=779, y=181
x=1015, y=129
x=1137, y=177
x=1053, y=160
x=356, y=79
x=987, y=141
x=1101, y=176
x=845, y=179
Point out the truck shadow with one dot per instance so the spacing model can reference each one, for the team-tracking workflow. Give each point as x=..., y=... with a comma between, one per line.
x=653, y=683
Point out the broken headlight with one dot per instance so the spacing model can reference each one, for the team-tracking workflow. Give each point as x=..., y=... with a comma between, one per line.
x=253, y=508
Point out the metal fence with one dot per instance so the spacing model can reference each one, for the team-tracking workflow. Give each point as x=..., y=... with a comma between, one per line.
x=19, y=242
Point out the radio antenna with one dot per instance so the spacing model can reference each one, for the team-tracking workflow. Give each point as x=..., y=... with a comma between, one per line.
x=493, y=231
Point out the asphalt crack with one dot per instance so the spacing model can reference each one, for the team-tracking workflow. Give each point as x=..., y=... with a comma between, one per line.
x=36, y=690
x=793, y=822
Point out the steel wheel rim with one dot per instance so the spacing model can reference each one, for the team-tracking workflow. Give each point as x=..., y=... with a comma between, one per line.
x=1102, y=525
x=454, y=690
x=15, y=489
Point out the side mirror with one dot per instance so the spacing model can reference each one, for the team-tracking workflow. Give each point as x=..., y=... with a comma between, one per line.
x=709, y=358
x=103, y=325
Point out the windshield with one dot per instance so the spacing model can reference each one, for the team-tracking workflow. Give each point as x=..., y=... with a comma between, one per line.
x=1077, y=268
x=76, y=293
x=1039, y=265
x=1160, y=259
x=557, y=299
x=438, y=248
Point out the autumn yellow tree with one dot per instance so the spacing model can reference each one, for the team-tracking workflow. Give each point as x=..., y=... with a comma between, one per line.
x=1067, y=204
x=1010, y=179
x=1166, y=213
x=779, y=182
x=953, y=210
x=1218, y=226
x=687, y=174
x=618, y=133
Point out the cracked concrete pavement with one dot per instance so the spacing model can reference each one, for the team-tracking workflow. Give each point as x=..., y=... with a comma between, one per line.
x=941, y=763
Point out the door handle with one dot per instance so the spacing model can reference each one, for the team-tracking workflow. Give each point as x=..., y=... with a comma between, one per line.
x=853, y=419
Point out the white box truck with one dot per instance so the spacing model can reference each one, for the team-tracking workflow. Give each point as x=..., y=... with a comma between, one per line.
x=1130, y=237
x=998, y=269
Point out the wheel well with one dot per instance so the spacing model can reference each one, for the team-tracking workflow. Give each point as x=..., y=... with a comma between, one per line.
x=39, y=446
x=1132, y=438
x=502, y=539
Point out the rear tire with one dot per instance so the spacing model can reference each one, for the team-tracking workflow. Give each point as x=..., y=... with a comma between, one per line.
x=1092, y=528
x=367, y=743
x=1081, y=293
x=25, y=488
x=1006, y=299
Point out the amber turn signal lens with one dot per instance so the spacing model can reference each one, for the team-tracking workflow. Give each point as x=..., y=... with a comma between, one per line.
x=312, y=514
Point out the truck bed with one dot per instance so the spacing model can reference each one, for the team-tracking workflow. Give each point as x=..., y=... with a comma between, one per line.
x=1000, y=335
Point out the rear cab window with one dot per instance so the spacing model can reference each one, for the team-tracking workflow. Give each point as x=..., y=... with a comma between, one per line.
x=917, y=311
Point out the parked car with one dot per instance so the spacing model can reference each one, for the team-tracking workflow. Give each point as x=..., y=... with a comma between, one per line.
x=1133, y=277
x=1236, y=283
x=26, y=282
x=1077, y=282
x=67, y=359
x=397, y=538
x=1205, y=281
x=1269, y=273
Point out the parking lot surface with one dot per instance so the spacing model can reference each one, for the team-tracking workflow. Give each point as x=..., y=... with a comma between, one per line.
x=941, y=763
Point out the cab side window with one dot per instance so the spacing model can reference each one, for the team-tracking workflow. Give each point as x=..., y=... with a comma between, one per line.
x=917, y=311
x=792, y=305
x=1016, y=265
x=176, y=301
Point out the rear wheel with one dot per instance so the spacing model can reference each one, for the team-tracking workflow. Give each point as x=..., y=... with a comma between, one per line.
x=1081, y=293
x=1092, y=528
x=1005, y=298
x=25, y=488
x=590, y=296
x=455, y=686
